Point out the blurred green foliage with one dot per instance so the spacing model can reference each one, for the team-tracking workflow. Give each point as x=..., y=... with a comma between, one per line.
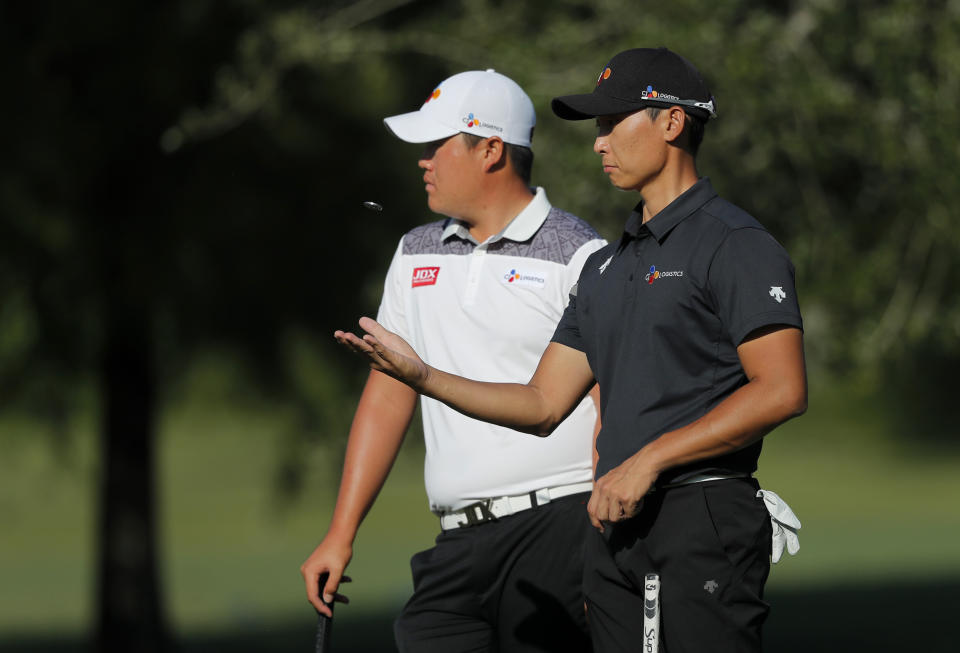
x=235, y=141
x=836, y=125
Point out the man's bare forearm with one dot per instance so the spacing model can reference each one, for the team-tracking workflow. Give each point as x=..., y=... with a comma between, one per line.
x=562, y=379
x=379, y=425
x=381, y=420
x=740, y=420
x=776, y=391
x=514, y=405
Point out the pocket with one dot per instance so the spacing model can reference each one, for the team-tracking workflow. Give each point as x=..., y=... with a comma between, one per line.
x=740, y=522
x=742, y=529
x=452, y=551
x=419, y=562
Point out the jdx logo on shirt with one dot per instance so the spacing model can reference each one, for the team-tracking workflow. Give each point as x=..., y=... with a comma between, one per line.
x=424, y=276
x=517, y=277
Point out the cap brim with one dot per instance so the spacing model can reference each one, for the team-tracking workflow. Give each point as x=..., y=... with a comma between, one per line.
x=591, y=105
x=414, y=127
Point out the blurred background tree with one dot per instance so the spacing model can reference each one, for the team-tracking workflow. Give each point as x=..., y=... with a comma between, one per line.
x=839, y=143
x=121, y=261
x=183, y=178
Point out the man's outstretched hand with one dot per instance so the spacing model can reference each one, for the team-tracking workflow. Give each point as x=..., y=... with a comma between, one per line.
x=386, y=352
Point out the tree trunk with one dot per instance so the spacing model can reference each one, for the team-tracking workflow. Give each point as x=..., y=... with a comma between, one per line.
x=130, y=610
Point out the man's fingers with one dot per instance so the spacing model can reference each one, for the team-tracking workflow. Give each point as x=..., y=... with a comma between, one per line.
x=592, y=507
x=347, y=339
x=330, y=588
x=376, y=347
x=606, y=505
x=633, y=510
x=371, y=326
x=360, y=347
x=313, y=593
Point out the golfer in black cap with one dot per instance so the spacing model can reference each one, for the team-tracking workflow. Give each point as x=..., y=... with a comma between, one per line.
x=691, y=326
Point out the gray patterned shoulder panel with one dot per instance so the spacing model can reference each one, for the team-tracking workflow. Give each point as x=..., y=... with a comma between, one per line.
x=427, y=239
x=557, y=240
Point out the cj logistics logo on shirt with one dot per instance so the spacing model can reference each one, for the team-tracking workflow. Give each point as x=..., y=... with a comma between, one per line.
x=425, y=276
x=525, y=278
x=655, y=274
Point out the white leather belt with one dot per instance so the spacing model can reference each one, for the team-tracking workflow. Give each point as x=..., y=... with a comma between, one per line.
x=494, y=508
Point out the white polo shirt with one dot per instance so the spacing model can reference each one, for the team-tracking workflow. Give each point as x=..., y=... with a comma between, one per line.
x=487, y=311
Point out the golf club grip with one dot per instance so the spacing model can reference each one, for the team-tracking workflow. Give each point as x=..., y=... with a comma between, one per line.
x=651, y=612
x=324, y=623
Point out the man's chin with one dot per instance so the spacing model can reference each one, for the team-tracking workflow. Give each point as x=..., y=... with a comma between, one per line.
x=621, y=185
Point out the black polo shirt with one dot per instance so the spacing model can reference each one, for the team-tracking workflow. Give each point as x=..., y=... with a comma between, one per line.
x=660, y=313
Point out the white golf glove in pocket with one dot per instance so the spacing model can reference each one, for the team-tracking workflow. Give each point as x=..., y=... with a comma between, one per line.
x=785, y=525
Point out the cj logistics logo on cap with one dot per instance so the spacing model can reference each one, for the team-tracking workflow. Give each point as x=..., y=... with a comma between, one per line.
x=651, y=94
x=424, y=276
x=470, y=120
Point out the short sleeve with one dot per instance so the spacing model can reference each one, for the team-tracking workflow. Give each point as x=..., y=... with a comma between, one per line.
x=568, y=329
x=575, y=266
x=752, y=282
x=392, y=313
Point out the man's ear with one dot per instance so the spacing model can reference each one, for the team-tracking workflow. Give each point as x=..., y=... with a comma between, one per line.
x=675, y=121
x=494, y=152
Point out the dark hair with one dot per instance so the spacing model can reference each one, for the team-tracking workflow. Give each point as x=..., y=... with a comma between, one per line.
x=694, y=129
x=521, y=158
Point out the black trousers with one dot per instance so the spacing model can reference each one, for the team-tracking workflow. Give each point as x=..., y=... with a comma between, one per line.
x=710, y=543
x=510, y=585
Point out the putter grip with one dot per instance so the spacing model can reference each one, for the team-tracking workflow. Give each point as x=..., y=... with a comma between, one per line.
x=324, y=625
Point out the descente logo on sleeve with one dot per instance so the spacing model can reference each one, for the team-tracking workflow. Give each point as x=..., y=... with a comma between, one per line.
x=424, y=276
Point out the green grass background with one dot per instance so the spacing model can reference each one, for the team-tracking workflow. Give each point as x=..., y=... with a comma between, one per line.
x=879, y=537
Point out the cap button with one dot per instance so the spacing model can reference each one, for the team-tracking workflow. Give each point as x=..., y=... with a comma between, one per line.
x=491, y=70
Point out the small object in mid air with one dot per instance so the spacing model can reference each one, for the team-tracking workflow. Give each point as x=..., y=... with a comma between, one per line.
x=373, y=206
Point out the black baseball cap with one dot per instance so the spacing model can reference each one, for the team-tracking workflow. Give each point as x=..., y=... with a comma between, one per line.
x=639, y=78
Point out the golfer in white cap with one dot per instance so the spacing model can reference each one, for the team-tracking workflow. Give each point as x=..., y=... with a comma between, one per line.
x=478, y=293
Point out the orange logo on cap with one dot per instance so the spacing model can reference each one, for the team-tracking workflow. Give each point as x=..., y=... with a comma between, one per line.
x=604, y=75
x=433, y=96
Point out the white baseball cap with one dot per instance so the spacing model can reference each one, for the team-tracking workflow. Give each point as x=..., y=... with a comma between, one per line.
x=484, y=103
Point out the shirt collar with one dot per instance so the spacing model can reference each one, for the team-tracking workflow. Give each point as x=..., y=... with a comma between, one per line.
x=520, y=229
x=673, y=214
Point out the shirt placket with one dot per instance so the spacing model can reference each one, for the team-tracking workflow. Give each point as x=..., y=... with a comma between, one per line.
x=635, y=268
x=474, y=274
